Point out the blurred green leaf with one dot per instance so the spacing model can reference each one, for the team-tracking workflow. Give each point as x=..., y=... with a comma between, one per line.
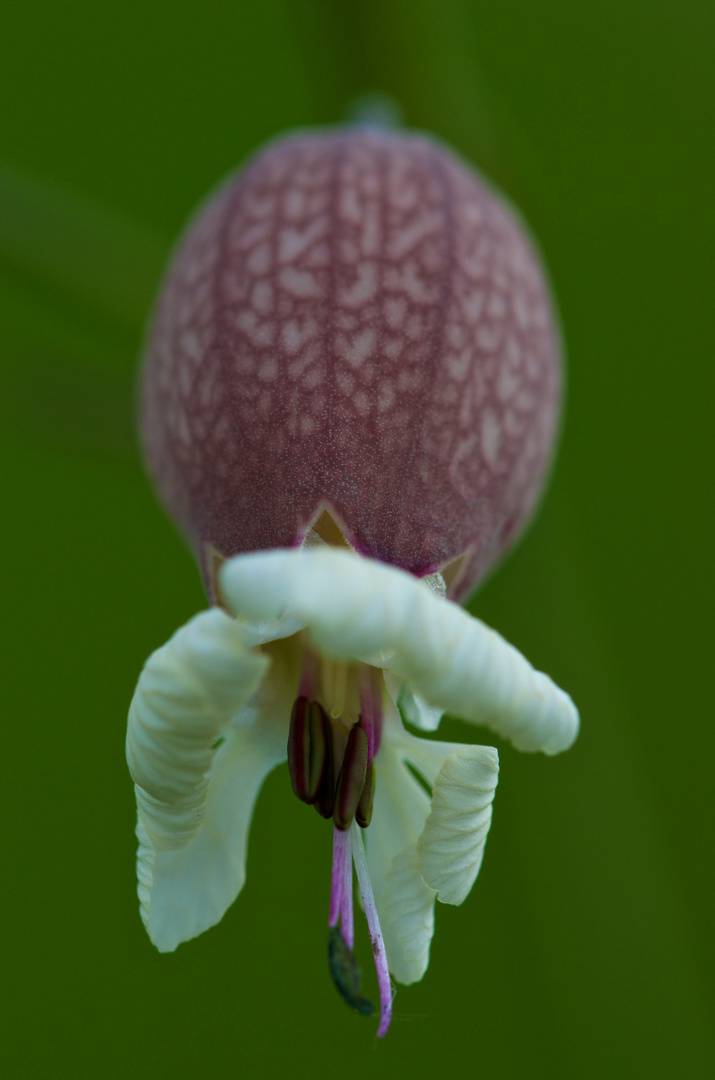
x=94, y=258
x=586, y=950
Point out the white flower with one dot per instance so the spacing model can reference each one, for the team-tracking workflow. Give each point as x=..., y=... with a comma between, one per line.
x=210, y=719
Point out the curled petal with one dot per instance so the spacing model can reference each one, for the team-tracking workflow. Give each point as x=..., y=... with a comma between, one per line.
x=404, y=818
x=451, y=846
x=357, y=607
x=187, y=694
x=184, y=892
x=408, y=911
x=405, y=903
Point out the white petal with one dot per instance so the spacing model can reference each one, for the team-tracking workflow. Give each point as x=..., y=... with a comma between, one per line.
x=413, y=708
x=404, y=903
x=195, y=797
x=184, y=892
x=402, y=814
x=354, y=607
x=407, y=918
x=451, y=846
x=187, y=694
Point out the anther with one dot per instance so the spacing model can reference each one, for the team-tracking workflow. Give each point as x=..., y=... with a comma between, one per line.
x=309, y=739
x=363, y=814
x=325, y=800
x=346, y=973
x=351, y=781
x=371, y=707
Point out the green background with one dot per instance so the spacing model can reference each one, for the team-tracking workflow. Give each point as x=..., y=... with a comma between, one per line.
x=586, y=948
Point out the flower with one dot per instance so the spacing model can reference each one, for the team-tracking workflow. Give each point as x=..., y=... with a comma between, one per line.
x=349, y=403
x=210, y=719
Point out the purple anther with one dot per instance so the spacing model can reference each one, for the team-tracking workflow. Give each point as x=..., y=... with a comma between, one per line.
x=325, y=802
x=371, y=708
x=309, y=738
x=363, y=814
x=352, y=778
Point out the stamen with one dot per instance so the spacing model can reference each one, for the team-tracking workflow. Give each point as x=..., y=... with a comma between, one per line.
x=325, y=801
x=327, y=680
x=371, y=680
x=341, y=855
x=341, y=885
x=373, y=922
x=346, y=906
x=363, y=814
x=309, y=741
x=343, y=965
x=340, y=686
x=309, y=674
x=335, y=677
x=351, y=781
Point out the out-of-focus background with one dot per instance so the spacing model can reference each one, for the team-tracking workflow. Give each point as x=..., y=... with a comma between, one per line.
x=586, y=948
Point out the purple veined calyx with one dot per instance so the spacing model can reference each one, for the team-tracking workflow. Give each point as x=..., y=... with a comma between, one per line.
x=349, y=402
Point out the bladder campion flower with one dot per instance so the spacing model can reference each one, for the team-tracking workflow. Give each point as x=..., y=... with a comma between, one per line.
x=349, y=403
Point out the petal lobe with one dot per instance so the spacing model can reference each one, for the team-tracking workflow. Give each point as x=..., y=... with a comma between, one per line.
x=451, y=847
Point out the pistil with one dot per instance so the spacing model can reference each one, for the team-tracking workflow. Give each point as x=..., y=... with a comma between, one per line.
x=341, y=885
x=331, y=748
x=347, y=925
x=343, y=965
x=373, y=923
x=344, y=969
